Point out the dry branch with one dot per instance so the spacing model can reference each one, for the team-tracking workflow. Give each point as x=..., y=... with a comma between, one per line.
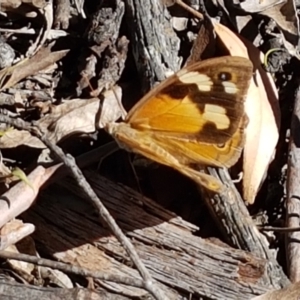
x=154, y=42
x=293, y=194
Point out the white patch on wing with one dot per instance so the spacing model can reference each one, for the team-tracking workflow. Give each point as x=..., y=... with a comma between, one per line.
x=217, y=115
x=229, y=87
x=203, y=81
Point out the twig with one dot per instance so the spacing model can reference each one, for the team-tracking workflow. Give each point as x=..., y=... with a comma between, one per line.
x=278, y=229
x=16, y=235
x=18, y=31
x=72, y=269
x=191, y=10
x=69, y=161
x=293, y=194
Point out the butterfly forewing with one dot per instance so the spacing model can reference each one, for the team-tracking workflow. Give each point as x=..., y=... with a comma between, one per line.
x=203, y=101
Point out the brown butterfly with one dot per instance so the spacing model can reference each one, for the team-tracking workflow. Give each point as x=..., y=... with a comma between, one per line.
x=195, y=117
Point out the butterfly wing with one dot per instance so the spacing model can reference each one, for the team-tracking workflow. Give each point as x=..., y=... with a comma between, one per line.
x=197, y=114
x=203, y=102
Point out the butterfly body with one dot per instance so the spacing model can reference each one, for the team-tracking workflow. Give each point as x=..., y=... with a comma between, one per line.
x=195, y=117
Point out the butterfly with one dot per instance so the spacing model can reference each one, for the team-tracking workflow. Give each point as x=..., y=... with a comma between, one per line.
x=196, y=117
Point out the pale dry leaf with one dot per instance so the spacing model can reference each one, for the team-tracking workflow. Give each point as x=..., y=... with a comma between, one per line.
x=13, y=228
x=37, y=3
x=179, y=23
x=263, y=111
x=14, y=231
x=56, y=277
x=11, y=5
x=71, y=117
x=8, y=5
x=15, y=138
x=7, y=55
x=283, y=12
x=286, y=18
x=79, y=6
x=24, y=269
x=112, y=108
x=44, y=58
x=19, y=100
x=4, y=170
x=256, y=6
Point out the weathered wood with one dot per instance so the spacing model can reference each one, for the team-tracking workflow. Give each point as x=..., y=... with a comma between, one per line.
x=13, y=290
x=234, y=220
x=154, y=42
x=68, y=230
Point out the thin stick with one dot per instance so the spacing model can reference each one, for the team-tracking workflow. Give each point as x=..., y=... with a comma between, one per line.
x=278, y=229
x=72, y=269
x=190, y=9
x=293, y=194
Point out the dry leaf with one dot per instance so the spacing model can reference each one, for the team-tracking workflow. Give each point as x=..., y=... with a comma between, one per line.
x=75, y=116
x=112, y=108
x=263, y=112
x=13, y=4
x=4, y=170
x=283, y=12
x=44, y=58
x=24, y=269
x=285, y=16
x=256, y=6
x=13, y=231
x=15, y=138
x=8, y=5
x=56, y=277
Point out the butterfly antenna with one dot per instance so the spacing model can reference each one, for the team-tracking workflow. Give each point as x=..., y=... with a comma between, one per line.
x=135, y=175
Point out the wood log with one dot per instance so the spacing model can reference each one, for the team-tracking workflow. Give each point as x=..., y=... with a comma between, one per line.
x=184, y=264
